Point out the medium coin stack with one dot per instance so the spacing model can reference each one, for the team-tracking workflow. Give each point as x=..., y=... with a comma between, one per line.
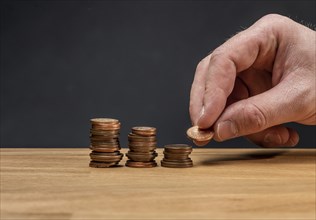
x=105, y=145
x=142, y=143
x=177, y=156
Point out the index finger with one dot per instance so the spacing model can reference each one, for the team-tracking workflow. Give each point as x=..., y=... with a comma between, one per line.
x=198, y=89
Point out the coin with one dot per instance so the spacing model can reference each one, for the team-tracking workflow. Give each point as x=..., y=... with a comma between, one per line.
x=106, y=127
x=105, y=144
x=175, y=156
x=96, y=164
x=140, y=144
x=178, y=161
x=196, y=134
x=142, y=149
x=175, y=165
x=105, y=149
x=99, y=143
x=101, y=138
x=115, y=153
x=143, y=153
x=104, y=121
x=105, y=124
x=138, y=164
x=105, y=157
x=138, y=138
x=178, y=148
x=144, y=131
x=104, y=132
x=141, y=156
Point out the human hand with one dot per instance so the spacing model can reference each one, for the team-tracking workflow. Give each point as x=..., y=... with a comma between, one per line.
x=259, y=79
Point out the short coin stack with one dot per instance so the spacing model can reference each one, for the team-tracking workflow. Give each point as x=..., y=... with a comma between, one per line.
x=177, y=156
x=142, y=143
x=105, y=145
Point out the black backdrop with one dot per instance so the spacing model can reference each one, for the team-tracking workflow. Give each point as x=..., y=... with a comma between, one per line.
x=64, y=62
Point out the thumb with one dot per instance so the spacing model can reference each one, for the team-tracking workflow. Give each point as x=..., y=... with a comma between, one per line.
x=273, y=107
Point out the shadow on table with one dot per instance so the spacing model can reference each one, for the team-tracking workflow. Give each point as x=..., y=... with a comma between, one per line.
x=244, y=157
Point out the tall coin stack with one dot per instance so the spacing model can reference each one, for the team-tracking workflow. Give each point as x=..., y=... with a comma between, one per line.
x=177, y=156
x=105, y=145
x=142, y=143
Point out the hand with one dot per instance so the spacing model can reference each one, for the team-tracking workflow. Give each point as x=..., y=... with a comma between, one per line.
x=259, y=79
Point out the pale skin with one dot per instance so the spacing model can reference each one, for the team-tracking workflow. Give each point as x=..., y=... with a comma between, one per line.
x=256, y=81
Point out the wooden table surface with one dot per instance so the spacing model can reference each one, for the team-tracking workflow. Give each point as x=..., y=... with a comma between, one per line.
x=223, y=184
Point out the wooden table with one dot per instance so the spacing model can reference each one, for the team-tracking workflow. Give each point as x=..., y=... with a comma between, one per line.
x=223, y=184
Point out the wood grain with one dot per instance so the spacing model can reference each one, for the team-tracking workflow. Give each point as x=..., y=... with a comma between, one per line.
x=223, y=184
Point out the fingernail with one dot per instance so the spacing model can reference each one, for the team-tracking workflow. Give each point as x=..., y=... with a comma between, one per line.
x=200, y=116
x=202, y=111
x=272, y=138
x=293, y=141
x=226, y=130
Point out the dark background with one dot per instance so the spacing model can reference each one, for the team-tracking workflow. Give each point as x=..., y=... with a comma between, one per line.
x=64, y=62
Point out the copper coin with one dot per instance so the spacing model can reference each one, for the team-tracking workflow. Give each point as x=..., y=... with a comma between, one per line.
x=181, y=161
x=106, y=127
x=143, y=144
x=96, y=164
x=178, y=148
x=101, y=142
x=174, y=156
x=104, y=144
x=105, y=133
x=137, y=138
x=116, y=153
x=104, y=138
x=175, y=165
x=142, y=149
x=141, y=158
x=194, y=133
x=130, y=163
x=104, y=121
x=107, y=153
x=144, y=131
x=142, y=153
x=105, y=149
x=105, y=157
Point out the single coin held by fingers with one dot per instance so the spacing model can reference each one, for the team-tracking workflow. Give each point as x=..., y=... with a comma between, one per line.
x=196, y=134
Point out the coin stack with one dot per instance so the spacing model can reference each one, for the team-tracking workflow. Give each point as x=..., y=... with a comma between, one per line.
x=105, y=145
x=177, y=156
x=142, y=143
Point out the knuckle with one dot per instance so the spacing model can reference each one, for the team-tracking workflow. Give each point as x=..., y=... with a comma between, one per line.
x=271, y=16
x=199, y=67
x=217, y=54
x=253, y=119
x=202, y=65
x=273, y=20
x=223, y=59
